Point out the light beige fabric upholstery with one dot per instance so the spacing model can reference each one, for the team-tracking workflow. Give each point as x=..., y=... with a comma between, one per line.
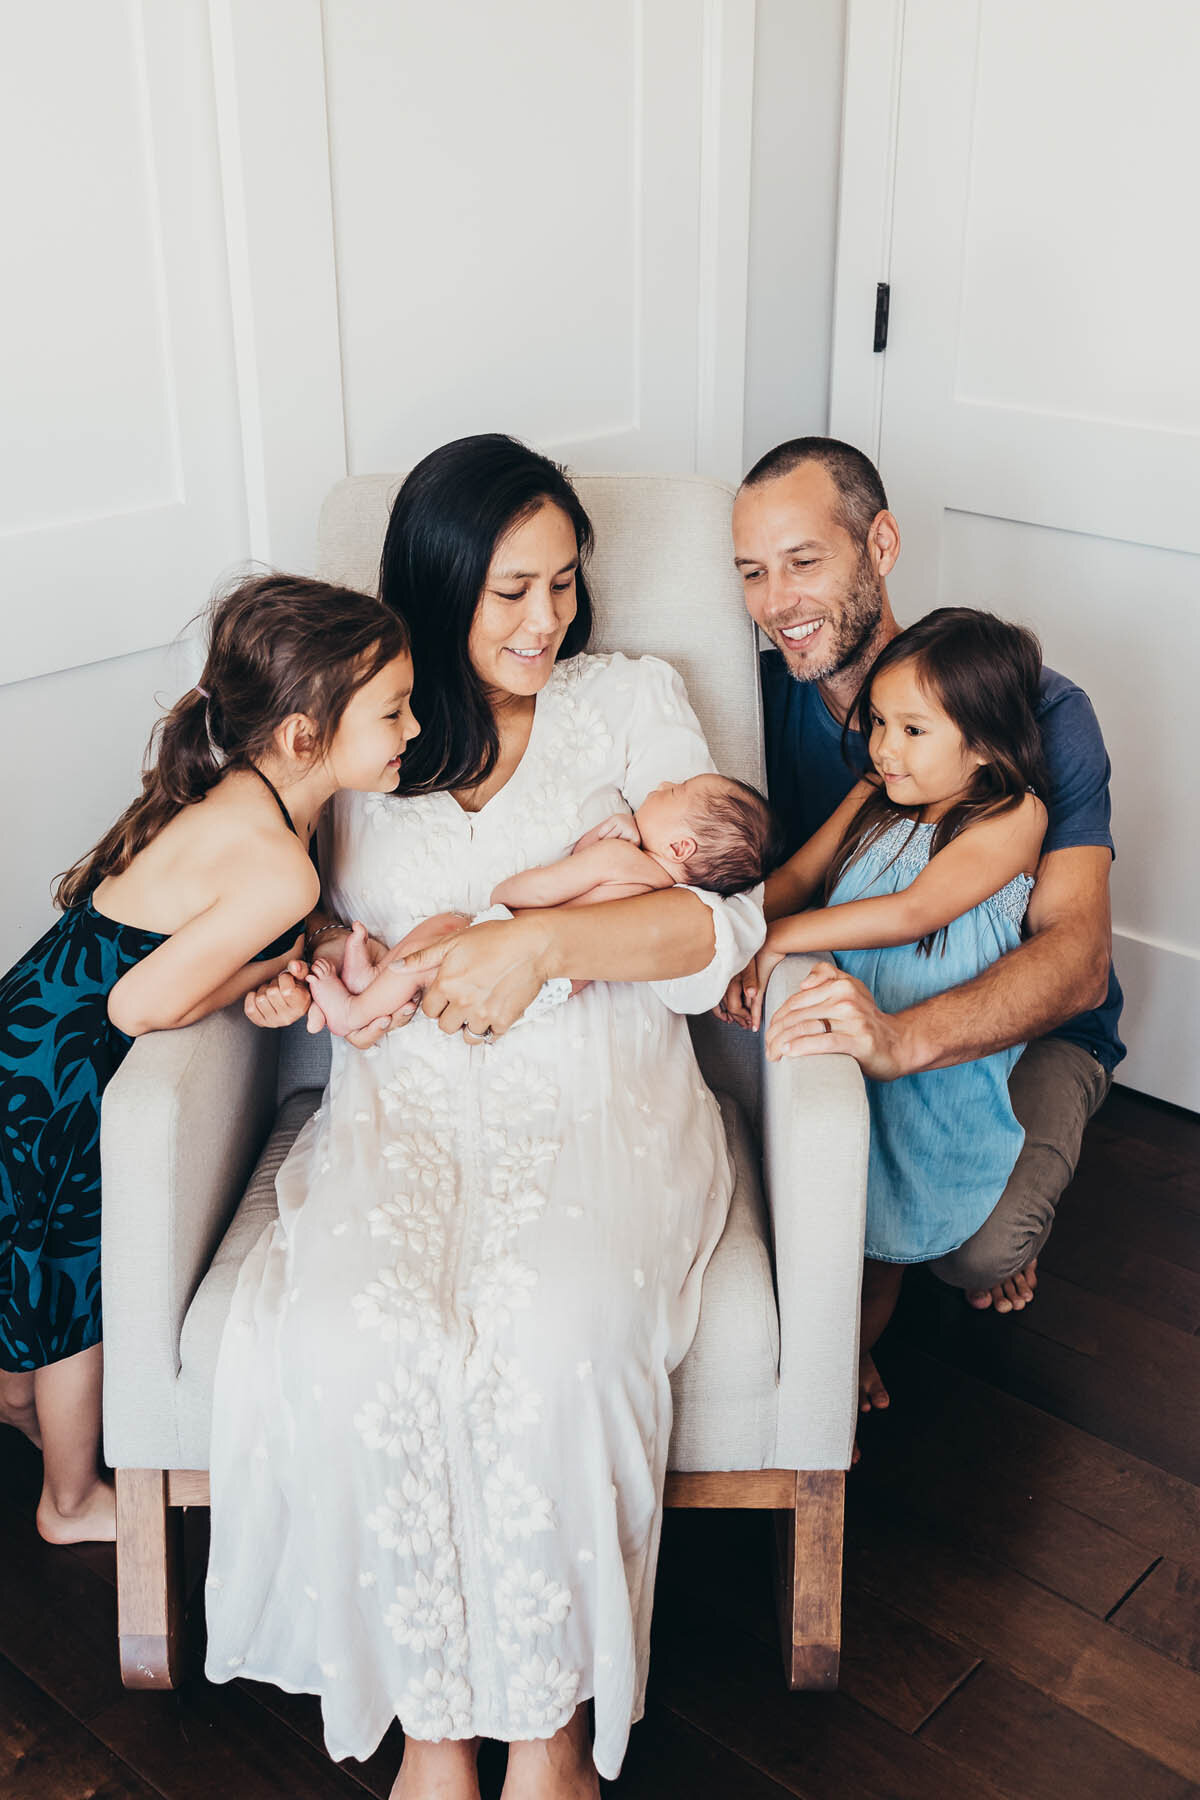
x=770, y=1380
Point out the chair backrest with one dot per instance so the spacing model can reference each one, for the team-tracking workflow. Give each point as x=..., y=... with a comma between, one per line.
x=663, y=584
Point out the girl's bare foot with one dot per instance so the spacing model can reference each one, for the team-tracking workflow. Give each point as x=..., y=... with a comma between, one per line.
x=17, y=1406
x=556, y=1768
x=1013, y=1294
x=92, y=1521
x=444, y=1770
x=872, y=1395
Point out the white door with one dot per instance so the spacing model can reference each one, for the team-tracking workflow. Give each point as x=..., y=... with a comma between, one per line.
x=456, y=218
x=1036, y=411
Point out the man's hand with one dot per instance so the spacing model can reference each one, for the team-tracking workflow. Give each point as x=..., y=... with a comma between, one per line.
x=875, y=1039
x=485, y=977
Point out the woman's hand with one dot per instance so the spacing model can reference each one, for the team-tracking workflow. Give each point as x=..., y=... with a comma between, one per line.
x=484, y=978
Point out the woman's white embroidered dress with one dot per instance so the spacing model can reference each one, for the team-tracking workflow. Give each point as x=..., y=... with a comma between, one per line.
x=442, y=1406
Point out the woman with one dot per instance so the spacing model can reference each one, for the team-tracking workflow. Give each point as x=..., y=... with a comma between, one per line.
x=446, y=1368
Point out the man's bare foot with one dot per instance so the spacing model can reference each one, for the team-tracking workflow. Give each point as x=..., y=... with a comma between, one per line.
x=17, y=1407
x=93, y=1521
x=358, y=971
x=1013, y=1294
x=556, y=1768
x=438, y=1771
x=872, y=1395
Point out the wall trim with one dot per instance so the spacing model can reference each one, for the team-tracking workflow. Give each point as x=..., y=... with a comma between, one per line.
x=273, y=134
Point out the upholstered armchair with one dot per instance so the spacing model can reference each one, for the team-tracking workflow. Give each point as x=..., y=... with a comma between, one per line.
x=197, y=1122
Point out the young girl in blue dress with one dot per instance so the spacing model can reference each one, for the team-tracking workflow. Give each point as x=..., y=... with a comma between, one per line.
x=926, y=870
x=196, y=895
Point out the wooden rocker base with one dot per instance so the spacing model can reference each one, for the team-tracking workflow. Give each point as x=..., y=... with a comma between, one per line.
x=808, y=1506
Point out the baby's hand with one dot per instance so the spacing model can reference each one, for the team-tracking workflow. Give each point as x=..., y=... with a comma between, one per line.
x=736, y=1007
x=617, y=825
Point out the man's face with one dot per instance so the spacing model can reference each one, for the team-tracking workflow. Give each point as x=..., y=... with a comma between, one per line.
x=815, y=592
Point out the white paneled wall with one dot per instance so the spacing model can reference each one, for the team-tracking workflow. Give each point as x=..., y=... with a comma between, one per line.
x=262, y=243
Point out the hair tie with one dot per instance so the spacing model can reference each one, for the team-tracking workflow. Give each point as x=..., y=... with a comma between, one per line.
x=202, y=691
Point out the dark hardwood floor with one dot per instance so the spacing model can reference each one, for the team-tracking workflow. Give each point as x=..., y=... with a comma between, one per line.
x=1022, y=1571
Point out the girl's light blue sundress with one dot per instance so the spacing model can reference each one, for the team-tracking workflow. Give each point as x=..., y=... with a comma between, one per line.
x=943, y=1143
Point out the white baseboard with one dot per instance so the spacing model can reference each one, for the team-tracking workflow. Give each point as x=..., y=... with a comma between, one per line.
x=1161, y=1022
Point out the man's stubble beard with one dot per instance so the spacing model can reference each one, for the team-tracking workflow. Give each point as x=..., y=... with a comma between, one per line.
x=861, y=614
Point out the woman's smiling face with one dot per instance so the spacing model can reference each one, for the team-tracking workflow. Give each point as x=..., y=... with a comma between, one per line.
x=527, y=605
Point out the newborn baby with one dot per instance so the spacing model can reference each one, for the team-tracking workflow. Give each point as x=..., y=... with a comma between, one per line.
x=707, y=832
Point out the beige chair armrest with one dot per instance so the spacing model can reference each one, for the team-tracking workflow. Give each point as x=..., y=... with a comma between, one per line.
x=183, y=1121
x=815, y=1141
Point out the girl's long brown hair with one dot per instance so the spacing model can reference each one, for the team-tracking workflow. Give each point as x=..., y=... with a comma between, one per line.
x=985, y=675
x=277, y=645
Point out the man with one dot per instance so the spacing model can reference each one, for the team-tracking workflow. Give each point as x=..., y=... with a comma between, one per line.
x=814, y=543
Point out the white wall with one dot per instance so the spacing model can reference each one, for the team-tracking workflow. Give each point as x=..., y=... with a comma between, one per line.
x=793, y=219
x=265, y=242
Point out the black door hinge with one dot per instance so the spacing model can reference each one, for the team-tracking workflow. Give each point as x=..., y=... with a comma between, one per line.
x=883, y=300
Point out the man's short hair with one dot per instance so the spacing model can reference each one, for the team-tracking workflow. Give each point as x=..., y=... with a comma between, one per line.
x=860, y=491
x=739, y=840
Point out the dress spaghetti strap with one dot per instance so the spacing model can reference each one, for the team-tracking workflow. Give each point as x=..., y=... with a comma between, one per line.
x=267, y=783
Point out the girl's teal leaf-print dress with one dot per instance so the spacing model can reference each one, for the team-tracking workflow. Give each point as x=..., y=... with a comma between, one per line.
x=58, y=1051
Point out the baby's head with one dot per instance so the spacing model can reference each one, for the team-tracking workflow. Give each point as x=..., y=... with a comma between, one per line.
x=710, y=832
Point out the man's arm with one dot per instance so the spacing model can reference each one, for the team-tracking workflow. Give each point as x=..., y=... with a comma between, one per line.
x=1059, y=971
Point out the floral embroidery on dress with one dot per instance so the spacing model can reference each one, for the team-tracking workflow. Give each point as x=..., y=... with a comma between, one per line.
x=403, y=1420
x=529, y=1601
x=516, y=1508
x=427, y=1616
x=413, y=1518
x=542, y=1692
x=436, y=1705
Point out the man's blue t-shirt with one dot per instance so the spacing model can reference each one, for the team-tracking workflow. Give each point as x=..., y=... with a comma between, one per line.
x=808, y=777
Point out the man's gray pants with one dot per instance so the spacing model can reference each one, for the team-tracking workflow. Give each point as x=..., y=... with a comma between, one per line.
x=1054, y=1088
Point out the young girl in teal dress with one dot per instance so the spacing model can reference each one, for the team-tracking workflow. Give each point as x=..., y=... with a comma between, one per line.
x=926, y=870
x=196, y=895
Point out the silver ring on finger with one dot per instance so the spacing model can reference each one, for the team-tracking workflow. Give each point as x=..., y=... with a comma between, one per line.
x=478, y=1037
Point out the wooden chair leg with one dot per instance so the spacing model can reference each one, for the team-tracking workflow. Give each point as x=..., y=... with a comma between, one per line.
x=149, y=1572
x=810, y=1579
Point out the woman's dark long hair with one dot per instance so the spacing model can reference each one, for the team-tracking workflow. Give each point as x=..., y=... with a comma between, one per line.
x=277, y=645
x=985, y=675
x=449, y=516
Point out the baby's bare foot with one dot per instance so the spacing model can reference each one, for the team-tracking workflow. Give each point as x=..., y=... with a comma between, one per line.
x=872, y=1395
x=93, y=1521
x=358, y=971
x=330, y=994
x=1013, y=1294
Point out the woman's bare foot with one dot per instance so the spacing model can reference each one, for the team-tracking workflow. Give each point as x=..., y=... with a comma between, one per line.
x=92, y=1521
x=17, y=1406
x=872, y=1395
x=444, y=1770
x=1013, y=1294
x=556, y=1768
